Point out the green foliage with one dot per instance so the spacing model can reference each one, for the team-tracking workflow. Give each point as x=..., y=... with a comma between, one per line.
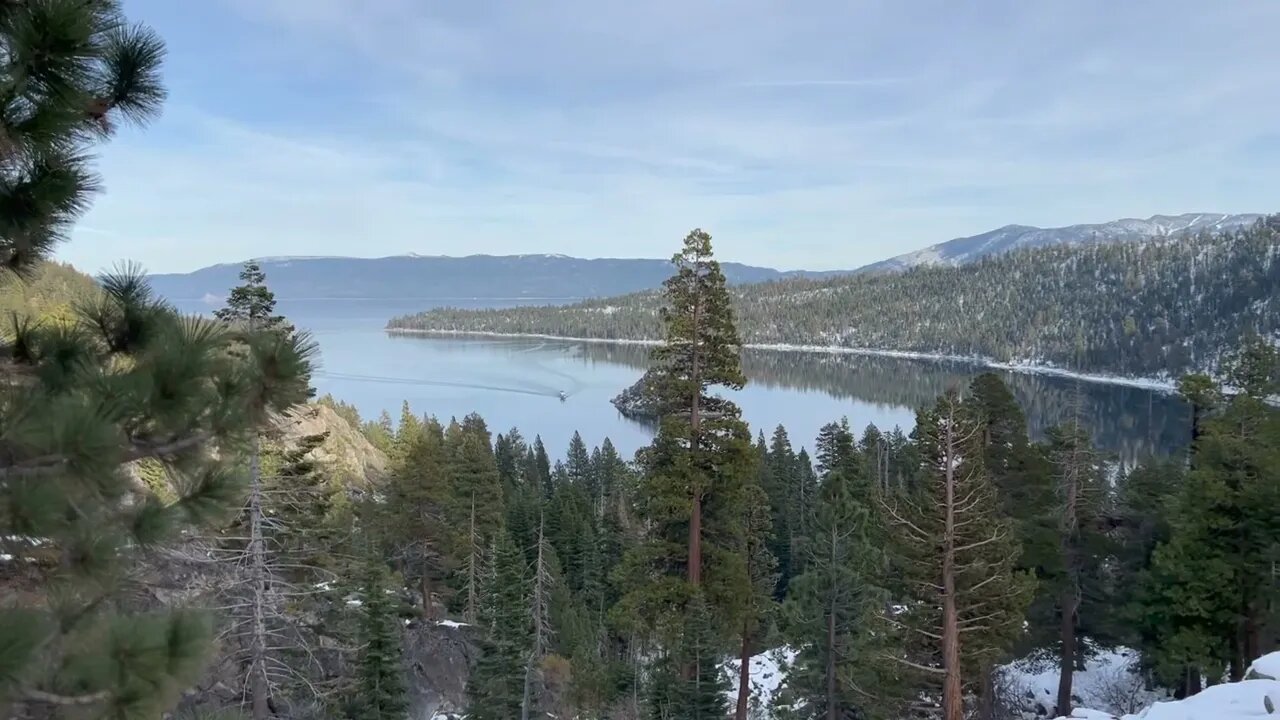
x=1161, y=307
x=130, y=381
x=698, y=693
x=49, y=292
x=1208, y=592
x=252, y=303
x=497, y=680
x=957, y=551
x=831, y=613
x=72, y=70
x=691, y=490
x=380, y=693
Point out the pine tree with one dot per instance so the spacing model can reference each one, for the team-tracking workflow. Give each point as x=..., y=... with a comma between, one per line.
x=782, y=481
x=1080, y=476
x=690, y=494
x=127, y=381
x=541, y=599
x=762, y=572
x=252, y=302
x=497, y=681
x=830, y=614
x=702, y=692
x=966, y=600
x=251, y=307
x=1208, y=587
x=701, y=350
x=380, y=691
x=413, y=522
x=541, y=466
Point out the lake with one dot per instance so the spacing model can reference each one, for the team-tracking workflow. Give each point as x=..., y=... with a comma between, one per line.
x=515, y=382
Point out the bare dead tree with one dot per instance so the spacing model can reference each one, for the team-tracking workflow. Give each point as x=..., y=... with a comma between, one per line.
x=540, y=611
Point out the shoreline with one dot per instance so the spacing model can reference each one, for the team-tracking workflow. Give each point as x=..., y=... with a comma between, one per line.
x=1153, y=384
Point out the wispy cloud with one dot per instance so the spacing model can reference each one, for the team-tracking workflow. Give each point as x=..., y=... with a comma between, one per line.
x=823, y=135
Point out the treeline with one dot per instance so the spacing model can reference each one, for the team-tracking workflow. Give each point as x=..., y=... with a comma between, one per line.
x=902, y=570
x=1159, y=308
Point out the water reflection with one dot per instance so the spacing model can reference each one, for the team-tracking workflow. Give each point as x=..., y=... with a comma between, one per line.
x=1130, y=422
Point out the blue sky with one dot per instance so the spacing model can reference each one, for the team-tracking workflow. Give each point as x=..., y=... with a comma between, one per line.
x=805, y=134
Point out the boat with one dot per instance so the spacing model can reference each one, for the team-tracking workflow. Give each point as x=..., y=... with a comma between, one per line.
x=563, y=396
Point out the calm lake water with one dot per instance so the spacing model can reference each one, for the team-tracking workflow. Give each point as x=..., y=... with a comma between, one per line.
x=515, y=383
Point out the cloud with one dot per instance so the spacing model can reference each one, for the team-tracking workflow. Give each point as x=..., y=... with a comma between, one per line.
x=819, y=134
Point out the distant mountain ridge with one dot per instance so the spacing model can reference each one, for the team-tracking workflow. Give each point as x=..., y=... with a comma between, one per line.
x=1018, y=237
x=546, y=276
x=442, y=277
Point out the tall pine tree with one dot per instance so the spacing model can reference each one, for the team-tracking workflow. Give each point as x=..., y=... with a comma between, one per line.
x=965, y=599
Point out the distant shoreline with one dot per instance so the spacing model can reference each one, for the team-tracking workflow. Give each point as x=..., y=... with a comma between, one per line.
x=1028, y=368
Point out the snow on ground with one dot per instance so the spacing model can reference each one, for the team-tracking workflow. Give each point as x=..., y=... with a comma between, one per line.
x=766, y=678
x=1257, y=698
x=1108, y=683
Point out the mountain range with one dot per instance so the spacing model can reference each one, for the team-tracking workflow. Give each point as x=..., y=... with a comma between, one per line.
x=1017, y=237
x=559, y=276
x=441, y=277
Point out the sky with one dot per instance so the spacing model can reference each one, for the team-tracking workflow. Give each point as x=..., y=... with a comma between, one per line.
x=816, y=134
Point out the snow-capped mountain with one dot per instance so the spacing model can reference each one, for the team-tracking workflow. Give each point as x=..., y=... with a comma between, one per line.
x=1016, y=237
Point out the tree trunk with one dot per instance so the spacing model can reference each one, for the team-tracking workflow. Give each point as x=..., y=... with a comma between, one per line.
x=831, y=661
x=259, y=687
x=744, y=675
x=695, y=541
x=528, y=686
x=473, y=600
x=952, y=685
x=1067, y=651
x=987, y=693
x=424, y=587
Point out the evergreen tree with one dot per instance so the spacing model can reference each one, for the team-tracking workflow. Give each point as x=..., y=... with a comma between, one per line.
x=829, y=615
x=701, y=350
x=252, y=302
x=612, y=473
x=1080, y=476
x=578, y=463
x=541, y=599
x=380, y=691
x=413, y=522
x=1143, y=497
x=127, y=381
x=1210, y=583
x=496, y=685
x=965, y=598
x=837, y=451
x=762, y=573
x=540, y=466
x=787, y=500
x=690, y=495
x=702, y=692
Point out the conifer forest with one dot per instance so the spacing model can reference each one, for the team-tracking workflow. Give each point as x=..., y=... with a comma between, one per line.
x=189, y=531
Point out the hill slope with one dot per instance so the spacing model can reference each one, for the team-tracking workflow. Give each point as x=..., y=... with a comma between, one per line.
x=474, y=276
x=1157, y=308
x=1021, y=237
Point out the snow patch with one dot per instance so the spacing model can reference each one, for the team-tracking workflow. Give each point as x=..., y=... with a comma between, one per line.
x=1111, y=681
x=766, y=677
x=1257, y=698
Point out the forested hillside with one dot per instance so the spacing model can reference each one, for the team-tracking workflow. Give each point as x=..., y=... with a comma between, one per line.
x=1159, y=308
x=50, y=290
